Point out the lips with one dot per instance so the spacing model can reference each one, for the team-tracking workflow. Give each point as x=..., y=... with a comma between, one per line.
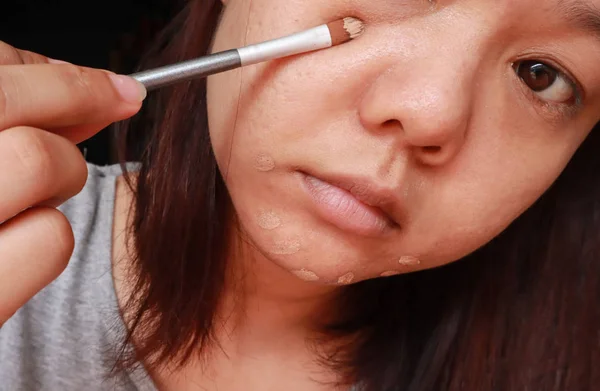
x=351, y=204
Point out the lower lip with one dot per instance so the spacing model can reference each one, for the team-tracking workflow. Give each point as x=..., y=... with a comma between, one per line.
x=345, y=211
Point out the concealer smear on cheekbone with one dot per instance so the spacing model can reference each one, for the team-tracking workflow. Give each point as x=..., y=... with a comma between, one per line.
x=268, y=220
x=346, y=279
x=306, y=275
x=285, y=247
x=264, y=163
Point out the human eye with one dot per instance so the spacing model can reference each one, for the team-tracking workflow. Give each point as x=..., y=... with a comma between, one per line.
x=549, y=85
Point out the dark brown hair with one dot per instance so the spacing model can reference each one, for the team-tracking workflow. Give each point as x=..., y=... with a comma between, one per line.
x=521, y=313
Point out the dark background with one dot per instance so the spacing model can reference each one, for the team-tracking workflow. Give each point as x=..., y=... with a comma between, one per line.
x=106, y=34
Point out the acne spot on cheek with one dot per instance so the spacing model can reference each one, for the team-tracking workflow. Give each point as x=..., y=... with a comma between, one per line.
x=390, y=273
x=264, y=163
x=286, y=247
x=408, y=260
x=269, y=220
x=306, y=275
x=346, y=279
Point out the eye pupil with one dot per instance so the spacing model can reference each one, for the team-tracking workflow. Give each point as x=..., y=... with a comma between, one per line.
x=538, y=76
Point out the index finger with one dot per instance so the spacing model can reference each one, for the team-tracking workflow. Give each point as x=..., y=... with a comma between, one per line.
x=55, y=96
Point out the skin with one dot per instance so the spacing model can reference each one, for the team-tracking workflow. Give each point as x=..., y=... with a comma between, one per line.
x=45, y=108
x=445, y=125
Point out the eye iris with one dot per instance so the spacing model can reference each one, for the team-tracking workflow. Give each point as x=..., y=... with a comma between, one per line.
x=536, y=75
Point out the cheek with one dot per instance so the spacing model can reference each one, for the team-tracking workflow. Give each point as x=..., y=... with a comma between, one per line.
x=245, y=105
x=498, y=176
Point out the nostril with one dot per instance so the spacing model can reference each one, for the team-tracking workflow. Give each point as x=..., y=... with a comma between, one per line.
x=391, y=123
x=431, y=149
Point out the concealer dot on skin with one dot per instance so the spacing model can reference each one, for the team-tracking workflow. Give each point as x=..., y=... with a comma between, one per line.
x=268, y=220
x=408, y=260
x=264, y=163
x=286, y=247
x=389, y=273
x=306, y=275
x=346, y=279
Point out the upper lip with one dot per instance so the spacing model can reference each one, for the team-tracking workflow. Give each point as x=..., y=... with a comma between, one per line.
x=385, y=198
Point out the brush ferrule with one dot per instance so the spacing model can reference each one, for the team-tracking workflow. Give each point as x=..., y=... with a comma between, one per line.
x=313, y=39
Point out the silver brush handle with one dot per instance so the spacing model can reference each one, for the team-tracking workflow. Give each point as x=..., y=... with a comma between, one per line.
x=189, y=70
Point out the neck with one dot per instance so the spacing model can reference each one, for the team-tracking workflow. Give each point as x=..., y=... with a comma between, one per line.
x=263, y=299
x=267, y=321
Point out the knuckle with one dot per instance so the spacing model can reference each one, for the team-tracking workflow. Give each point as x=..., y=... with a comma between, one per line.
x=18, y=55
x=85, y=87
x=32, y=154
x=28, y=57
x=50, y=165
x=9, y=54
x=79, y=79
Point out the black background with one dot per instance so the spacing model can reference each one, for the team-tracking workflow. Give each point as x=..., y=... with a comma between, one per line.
x=106, y=34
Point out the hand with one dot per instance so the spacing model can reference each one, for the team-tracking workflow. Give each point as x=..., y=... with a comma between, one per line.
x=46, y=107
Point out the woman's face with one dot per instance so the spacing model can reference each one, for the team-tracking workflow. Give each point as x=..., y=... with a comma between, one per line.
x=409, y=147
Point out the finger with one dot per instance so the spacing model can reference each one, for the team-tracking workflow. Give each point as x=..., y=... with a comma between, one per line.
x=77, y=133
x=12, y=55
x=35, y=247
x=51, y=96
x=37, y=166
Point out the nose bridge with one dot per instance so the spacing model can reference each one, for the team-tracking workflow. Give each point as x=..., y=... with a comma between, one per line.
x=434, y=105
x=428, y=92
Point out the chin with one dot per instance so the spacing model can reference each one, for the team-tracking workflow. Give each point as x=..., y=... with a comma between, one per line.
x=318, y=253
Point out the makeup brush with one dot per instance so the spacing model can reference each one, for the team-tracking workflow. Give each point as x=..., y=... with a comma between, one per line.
x=321, y=37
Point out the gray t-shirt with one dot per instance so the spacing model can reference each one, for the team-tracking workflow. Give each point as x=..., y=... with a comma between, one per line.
x=66, y=337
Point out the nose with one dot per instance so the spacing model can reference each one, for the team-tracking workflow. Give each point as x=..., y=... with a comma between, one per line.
x=427, y=104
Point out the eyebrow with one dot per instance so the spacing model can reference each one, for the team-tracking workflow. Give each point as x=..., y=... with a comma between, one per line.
x=583, y=15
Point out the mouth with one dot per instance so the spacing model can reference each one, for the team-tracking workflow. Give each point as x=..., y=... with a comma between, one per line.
x=351, y=204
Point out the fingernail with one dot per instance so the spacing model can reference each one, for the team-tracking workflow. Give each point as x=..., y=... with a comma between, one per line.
x=130, y=89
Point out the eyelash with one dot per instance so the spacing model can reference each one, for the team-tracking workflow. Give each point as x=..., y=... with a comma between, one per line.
x=554, y=109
